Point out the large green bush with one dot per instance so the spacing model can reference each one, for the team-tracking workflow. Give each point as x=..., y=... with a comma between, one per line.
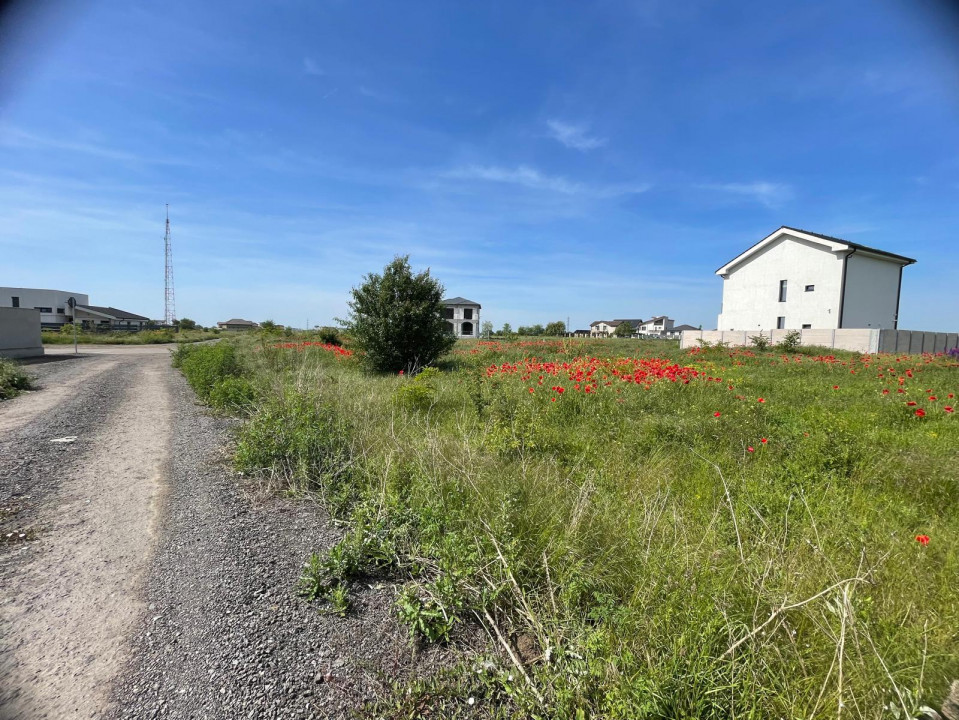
x=396, y=319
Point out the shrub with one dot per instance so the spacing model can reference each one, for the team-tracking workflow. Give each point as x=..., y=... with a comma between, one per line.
x=300, y=439
x=760, y=342
x=330, y=336
x=790, y=341
x=396, y=319
x=12, y=379
x=205, y=365
x=234, y=394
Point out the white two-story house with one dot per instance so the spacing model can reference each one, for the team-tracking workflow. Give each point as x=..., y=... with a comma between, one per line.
x=798, y=279
x=659, y=325
x=463, y=316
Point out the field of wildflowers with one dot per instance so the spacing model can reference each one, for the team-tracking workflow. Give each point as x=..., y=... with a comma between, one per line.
x=645, y=532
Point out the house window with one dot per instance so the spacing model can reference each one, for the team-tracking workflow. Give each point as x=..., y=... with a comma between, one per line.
x=782, y=291
x=467, y=328
x=448, y=313
x=467, y=314
x=810, y=288
x=60, y=311
x=44, y=309
x=16, y=301
x=781, y=321
x=807, y=326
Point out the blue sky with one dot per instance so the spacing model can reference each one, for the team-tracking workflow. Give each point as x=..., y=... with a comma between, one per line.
x=549, y=160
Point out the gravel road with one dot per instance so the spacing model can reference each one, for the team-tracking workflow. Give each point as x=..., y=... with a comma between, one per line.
x=149, y=580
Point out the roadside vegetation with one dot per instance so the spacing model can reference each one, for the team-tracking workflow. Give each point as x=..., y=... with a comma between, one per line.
x=64, y=336
x=13, y=380
x=643, y=532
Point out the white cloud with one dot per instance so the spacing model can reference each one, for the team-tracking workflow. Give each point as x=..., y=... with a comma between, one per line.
x=573, y=136
x=769, y=194
x=311, y=68
x=535, y=180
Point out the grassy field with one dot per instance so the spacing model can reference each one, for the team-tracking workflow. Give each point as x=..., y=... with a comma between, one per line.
x=144, y=337
x=12, y=379
x=653, y=533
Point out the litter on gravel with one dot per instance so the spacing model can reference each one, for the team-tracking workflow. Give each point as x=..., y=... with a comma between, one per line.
x=67, y=439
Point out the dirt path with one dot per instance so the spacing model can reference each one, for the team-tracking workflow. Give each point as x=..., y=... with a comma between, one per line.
x=71, y=597
x=159, y=584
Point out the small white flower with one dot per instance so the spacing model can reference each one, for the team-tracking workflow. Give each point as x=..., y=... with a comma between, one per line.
x=471, y=701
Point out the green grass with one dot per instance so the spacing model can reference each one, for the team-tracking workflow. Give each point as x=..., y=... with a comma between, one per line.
x=143, y=337
x=667, y=562
x=12, y=379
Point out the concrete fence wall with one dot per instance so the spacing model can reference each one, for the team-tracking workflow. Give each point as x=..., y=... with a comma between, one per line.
x=20, y=333
x=866, y=340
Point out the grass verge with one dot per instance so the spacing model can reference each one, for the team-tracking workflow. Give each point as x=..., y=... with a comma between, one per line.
x=644, y=532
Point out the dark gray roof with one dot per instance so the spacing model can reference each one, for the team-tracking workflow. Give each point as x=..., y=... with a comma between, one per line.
x=237, y=321
x=680, y=328
x=460, y=301
x=865, y=248
x=849, y=243
x=634, y=323
x=113, y=312
x=658, y=317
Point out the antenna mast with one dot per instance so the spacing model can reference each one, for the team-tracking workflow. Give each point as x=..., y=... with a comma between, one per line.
x=169, y=307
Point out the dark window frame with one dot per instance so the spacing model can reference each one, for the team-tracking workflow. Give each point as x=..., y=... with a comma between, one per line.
x=807, y=326
x=782, y=291
x=15, y=299
x=810, y=288
x=781, y=322
x=467, y=313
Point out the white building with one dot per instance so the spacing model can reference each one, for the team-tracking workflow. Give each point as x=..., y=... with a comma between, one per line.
x=659, y=325
x=463, y=316
x=53, y=304
x=802, y=280
x=55, y=310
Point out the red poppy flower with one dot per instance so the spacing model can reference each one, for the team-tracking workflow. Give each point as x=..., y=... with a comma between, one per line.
x=400, y=372
x=922, y=539
x=750, y=449
x=762, y=400
x=835, y=387
x=531, y=391
x=920, y=412
x=933, y=397
x=764, y=440
x=911, y=403
x=717, y=414
x=886, y=391
x=948, y=408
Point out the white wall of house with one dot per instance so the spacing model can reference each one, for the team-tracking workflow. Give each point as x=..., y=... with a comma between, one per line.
x=751, y=289
x=829, y=284
x=465, y=320
x=33, y=298
x=872, y=292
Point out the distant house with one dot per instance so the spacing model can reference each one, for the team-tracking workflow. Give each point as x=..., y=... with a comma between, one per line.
x=237, y=324
x=660, y=325
x=581, y=333
x=677, y=331
x=462, y=316
x=606, y=328
x=798, y=279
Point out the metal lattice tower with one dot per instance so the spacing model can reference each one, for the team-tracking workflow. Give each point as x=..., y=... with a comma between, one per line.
x=169, y=307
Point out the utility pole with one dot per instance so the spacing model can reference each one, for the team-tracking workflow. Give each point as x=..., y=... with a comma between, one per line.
x=169, y=304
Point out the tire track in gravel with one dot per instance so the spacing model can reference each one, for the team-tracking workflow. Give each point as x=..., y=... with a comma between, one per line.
x=70, y=598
